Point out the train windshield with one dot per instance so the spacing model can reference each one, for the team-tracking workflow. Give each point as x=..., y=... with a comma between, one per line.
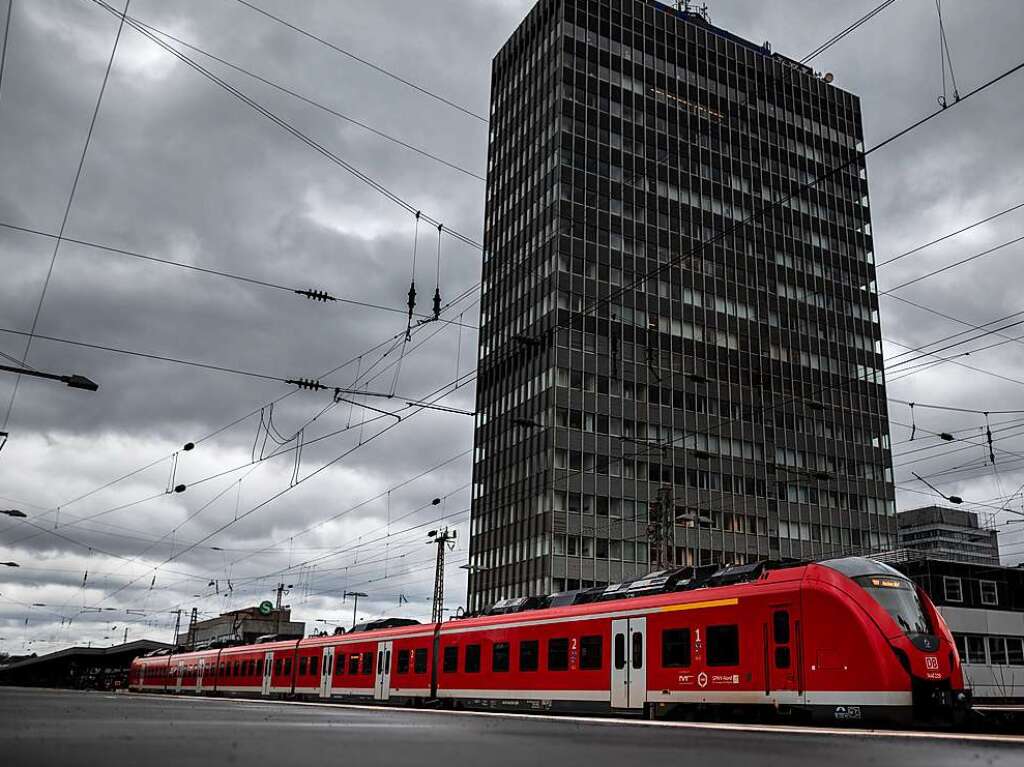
x=899, y=598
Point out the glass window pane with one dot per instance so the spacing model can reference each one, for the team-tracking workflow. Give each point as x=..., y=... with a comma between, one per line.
x=723, y=645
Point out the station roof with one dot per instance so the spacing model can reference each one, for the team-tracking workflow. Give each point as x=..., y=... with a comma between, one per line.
x=138, y=647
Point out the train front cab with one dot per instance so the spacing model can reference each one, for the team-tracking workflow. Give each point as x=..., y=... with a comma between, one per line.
x=877, y=648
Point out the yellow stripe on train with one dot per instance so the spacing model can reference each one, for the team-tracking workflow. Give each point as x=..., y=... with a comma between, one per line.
x=700, y=605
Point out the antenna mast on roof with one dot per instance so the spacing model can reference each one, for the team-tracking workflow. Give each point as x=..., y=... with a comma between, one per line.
x=687, y=6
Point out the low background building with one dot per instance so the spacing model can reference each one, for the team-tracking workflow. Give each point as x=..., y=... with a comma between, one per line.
x=246, y=625
x=949, y=534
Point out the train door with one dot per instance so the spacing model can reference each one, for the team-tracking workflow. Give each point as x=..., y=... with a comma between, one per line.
x=780, y=651
x=178, y=674
x=199, y=674
x=382, y=685
x=629, y=663
x=268, y=669
x=326, y=672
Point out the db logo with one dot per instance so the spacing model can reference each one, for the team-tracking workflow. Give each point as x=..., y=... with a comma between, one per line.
x=702, y=679
x=931, y=662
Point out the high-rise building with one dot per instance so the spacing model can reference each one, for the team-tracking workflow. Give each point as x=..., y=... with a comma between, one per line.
x=646, y=332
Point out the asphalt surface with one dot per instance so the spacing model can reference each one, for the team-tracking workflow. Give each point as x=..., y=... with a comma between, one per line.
x=50, y=727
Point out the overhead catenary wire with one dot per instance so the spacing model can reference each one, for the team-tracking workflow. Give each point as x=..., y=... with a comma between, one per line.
x=945, y=237
x=251, y=413
x=197, y=482
x=320, y=295
x=846, y=31
x=273, y=455
x=3, y=51
x=67, y=207
x=376, y=67
x=223, y=473
x=291, y=486
x=311, y=102
x=955, y=264
x=145, y=355
x=287, y=126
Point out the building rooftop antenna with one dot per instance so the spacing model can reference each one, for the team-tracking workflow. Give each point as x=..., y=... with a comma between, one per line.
x=688, y=6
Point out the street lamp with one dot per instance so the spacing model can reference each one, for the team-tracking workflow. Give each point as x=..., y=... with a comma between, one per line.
x=14, y=513
x=73, y=381
x=355, y=606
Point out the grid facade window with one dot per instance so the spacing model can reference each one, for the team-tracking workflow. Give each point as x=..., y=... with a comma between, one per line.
x=634, y=335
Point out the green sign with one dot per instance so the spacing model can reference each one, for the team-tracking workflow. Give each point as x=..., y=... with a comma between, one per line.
x=266, y=607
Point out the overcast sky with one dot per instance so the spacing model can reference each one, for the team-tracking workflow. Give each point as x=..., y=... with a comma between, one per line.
x=179, y=169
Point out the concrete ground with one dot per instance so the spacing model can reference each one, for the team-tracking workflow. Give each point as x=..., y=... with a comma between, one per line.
x=60, y=727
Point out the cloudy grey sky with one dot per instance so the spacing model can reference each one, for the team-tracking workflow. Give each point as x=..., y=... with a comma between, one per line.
x=179, y=169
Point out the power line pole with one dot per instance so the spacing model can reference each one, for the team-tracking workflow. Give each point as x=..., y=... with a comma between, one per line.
x=177, y=627
x=661, y=530
x=355, y=606
x=441, y=538
x=192, y=620
x=280, y=592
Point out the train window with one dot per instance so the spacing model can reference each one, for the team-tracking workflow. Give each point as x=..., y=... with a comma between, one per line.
x=782, y=657
x=590, y=652
x=675, y=648
x=223, y=666
x=353, y=663
x=472, y=658
x=558, y=655
x=637, y=654
x=236, y=669
x=303, y=662
x=403, y=662
x=380, y=661
x=277, y=667
x=367, y=663
x=780, y=626
x=529, y=652
x=451, y=659
x=419, y=661
x=339, y=664
x=288, y=666
x=314, y=665
x=620, y=651
x=499, y=656
x=723, y=645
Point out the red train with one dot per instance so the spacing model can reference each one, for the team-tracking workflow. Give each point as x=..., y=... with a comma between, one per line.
x=848, y=639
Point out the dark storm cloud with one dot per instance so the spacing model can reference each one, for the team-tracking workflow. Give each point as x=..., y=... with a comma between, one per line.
x=179, y=169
